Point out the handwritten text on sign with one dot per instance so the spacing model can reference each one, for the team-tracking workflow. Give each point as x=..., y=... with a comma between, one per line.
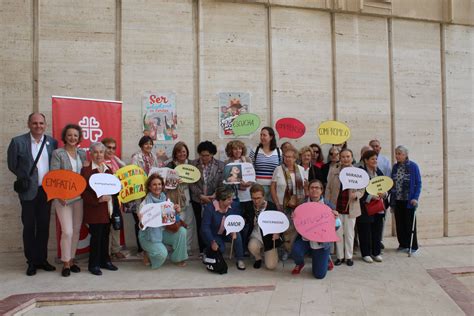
x=273, y=222
x=316, y=222
x=379, y=184
x=233, y=224
x=188, y=173
x=353, y=178
x=63, y=184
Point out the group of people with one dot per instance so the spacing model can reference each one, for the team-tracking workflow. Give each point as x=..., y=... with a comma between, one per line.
x=285, y=178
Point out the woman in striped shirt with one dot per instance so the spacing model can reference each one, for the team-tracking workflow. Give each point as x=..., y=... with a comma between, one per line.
x=265, y=158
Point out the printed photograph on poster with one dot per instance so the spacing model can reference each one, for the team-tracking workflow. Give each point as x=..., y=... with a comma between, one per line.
x=233, y=173
x=168, y=214
x=231, y=105
x=160, y=120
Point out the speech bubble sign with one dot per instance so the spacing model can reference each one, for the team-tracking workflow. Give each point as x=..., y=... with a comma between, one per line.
x=353, y=178
x=133, y=180
x=316, y=222
x=273, y=222
x=290, y=128
x=104, y=184
x=248, y=172
x=188, y=173
x=333, y=132
x=63, y=184
x=234, y=224
x=380, y=184
x=245, y=124
x=158, y=214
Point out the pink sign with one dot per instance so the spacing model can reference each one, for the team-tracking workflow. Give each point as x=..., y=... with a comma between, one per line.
x=290, y=128
x=316, y=222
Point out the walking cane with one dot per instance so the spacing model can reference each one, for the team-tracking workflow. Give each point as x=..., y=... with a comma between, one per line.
x=412, y=232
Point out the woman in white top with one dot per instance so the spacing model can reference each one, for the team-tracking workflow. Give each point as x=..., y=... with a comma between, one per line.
x=288, y=191
x=69, y=212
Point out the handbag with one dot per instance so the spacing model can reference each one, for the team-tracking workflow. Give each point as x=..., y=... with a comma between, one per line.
x=374, y=207
x=293, y=201
x=214, y=261
x=22, y=184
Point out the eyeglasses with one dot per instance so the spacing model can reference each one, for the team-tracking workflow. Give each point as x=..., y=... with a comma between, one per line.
x=112, y=147
x=333, y=154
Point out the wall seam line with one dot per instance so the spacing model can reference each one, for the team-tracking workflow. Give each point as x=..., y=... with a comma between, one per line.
x=444, y=116
x=393, y=134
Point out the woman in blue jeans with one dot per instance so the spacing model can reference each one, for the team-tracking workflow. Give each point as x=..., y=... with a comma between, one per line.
x=319, y=251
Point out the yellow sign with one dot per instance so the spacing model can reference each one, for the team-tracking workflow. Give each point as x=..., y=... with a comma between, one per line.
x=188, y=173
x=379, y=185
x=333, y=132
x=133, y=180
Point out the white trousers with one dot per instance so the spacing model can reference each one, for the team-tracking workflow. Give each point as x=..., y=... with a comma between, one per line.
x=345, y=246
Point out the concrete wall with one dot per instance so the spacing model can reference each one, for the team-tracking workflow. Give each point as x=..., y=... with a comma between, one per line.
x=403, y=81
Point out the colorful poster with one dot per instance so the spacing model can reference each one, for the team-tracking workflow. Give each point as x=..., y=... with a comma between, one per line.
x=160, y=120
x=99, y=119
x=231, y=104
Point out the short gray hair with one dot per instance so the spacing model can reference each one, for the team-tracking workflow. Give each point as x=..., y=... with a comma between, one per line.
x=94, y=145
x=402, y=149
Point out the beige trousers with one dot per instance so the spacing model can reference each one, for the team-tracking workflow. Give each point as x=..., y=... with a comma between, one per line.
x=270, y=257
x=70, y=217
x=114, y=238
x=345, y=246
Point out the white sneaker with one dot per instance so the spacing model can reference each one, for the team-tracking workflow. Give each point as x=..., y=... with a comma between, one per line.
x=378, y=258
x=367, y=259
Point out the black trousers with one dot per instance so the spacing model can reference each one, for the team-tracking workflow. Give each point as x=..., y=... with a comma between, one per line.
x=404, y=222
x=35, y=215
x=197, y=208
x=370, y=236
x=137, y=229
x=99, y=245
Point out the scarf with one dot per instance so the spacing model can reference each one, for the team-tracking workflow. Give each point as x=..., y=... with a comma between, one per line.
x=150, y=198
x=290, y=191
x=148, y=162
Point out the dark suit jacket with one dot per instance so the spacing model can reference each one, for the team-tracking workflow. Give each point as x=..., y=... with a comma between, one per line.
x=94, y=212
x=20, y=161
x=215, y=179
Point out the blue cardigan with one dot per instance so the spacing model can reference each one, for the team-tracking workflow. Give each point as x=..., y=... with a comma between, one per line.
x=415, y=183
x=211, y=221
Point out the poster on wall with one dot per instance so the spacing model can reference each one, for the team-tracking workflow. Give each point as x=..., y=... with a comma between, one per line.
x=160, y=120
x=231, y=105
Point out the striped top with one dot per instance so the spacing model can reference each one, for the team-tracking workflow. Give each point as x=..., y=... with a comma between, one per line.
x=265, y=165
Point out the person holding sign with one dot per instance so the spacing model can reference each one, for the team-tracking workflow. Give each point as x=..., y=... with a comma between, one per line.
x=154, y=239
x=180, y=157
x=204, y=191
x=213, y=229
x=69, y=212
x=404, y=199
x=265, y=158
x=288, y=191
x=97, y=213
x=257, y=241
x=347, y=205
x=369, y=227
x=320, y=252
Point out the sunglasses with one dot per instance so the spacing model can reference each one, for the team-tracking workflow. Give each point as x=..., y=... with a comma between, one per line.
x=112, y=147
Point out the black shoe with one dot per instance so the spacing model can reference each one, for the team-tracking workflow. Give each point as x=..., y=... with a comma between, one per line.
x=75, y=268
x=109, y=266
x=31, y=270
x=382, y=246
x=66, y=272
x=95, y=271
x=349, y=262
x=338, y=262
x=46, y=266
x=257, y=264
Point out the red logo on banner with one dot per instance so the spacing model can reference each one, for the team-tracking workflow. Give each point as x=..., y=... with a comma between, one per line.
x=99, y=119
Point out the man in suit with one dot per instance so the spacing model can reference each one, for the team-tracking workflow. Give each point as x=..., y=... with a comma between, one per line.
x=35, y=209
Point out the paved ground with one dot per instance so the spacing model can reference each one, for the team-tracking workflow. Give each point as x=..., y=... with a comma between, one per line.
x=439, y=281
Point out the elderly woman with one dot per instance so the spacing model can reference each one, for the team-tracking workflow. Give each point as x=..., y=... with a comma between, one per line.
x=212, y=230
x=288, y=191
x=317, y=158
x=333, y=159
x=145, y=159
x=266, y=157
x=268, y=243
x=69, y=212
x=404, y=198
x=154, y=239
x=114, y=163
x=97, y=213
x=180, y=156
x=369, y=227
x=310, y=171
x=348, y=207
x=319, y=251
x=203, y=191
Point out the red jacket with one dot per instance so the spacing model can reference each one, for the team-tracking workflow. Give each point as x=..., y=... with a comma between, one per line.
x=94, y=212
